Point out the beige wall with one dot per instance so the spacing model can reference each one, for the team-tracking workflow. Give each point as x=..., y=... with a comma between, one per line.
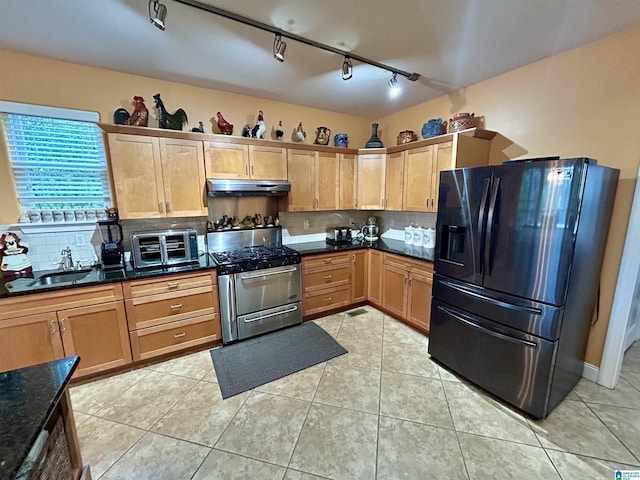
x=581, y=102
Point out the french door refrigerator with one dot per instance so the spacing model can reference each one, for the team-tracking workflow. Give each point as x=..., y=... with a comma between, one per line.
x=518, y=255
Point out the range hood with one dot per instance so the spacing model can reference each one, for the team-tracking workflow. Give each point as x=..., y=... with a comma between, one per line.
x=247, y=188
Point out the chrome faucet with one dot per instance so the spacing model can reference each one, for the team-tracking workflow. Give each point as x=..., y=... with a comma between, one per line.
x=66, y=262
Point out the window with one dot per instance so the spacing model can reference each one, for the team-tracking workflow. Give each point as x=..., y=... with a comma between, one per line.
x=58, y=163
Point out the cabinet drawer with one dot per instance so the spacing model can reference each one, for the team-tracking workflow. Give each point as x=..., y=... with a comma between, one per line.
x=154, y=310
x=323, y=260
x=408, y=264
x=326, y=299
x=151, y=286
x=174, y=336
x=324, y=277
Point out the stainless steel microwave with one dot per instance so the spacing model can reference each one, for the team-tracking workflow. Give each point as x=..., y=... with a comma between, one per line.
x=164, y=248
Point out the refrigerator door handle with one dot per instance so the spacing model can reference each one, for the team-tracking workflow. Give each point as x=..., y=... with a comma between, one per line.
x=481, y=219
x=510, y=306
x=486, y=330
x=492, y=208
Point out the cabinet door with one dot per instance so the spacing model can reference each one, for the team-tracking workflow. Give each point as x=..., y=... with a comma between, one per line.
x=137, y=176
x=358, y=276
x=442, y=160
x=301, y=164
x=29, y=340
x=394, y=181
x=418, y=169
x=267, y=163
x=419, y=300
x=98, y=334
x=348, y=181
x=183, y=177
x=327, y=179
x=394, y=293
x=374, y=277
x=226, y=160
x=371, y=181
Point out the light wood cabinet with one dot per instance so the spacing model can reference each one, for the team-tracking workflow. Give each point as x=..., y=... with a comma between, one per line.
x=407, y=287
x=394, y=181
x=326, y=282
x=157, y=177
x=314, y=178
x=42, y=327
x=267, y=163
x=371, y=181
x=240, y=161
x=172, y=313
x=348, y=181
x=359, y=270
x=374, y=277
x=443, y=160
x=418, y=174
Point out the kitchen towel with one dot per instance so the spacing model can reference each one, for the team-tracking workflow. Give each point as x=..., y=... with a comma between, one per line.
x=254, y=362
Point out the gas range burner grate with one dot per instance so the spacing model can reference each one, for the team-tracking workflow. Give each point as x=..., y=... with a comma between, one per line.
x=253, y=253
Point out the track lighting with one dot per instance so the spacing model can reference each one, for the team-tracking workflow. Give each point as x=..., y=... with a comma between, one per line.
x=278, y=48
x=159, y=13
x=393, y=85
x=347, y=68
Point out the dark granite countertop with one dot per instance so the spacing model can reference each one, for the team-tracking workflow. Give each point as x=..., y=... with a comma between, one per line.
x=391, y=246
x=28, y=397
x=31, y=283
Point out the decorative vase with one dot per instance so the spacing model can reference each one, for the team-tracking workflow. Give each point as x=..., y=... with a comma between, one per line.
x=341, y=140
x=462, y=121
x=323, y=134
x=406, y=136
x=432, y=128
x=374, y=141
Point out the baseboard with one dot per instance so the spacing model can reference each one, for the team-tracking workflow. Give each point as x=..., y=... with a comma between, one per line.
x=590, y=372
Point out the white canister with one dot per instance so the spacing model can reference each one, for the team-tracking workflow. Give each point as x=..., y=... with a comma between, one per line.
x=408, y=235
x=429, y=238
x=417, y=236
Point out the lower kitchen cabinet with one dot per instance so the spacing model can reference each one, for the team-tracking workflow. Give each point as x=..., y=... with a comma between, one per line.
x=95, y=331
x=326, y=282
x=407, y=286
x=358, y=276
x=374, y=277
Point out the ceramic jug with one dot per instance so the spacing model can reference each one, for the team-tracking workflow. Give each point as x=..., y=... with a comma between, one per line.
x=323, y=134
x=429, y=238
x=432, y=128
x=341, y=140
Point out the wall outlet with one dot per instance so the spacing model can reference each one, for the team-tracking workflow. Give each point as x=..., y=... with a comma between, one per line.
x=351, y=221
x=81, y=241
x=306, y=224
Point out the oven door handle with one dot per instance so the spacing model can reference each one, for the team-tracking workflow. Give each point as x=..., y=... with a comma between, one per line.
x=273, y=314
x=258, y=275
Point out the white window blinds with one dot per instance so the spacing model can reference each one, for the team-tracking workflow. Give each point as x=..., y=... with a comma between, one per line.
x=57, y=163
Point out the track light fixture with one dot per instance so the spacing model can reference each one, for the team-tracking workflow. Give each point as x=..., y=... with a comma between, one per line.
x=393, y=85
x=159, y=13
x=279, y=46
x=347, y=68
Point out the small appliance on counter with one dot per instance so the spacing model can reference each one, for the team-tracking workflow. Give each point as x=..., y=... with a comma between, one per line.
x=370, y=230
x=164, y=248
x=339, y=235
x=111, y=251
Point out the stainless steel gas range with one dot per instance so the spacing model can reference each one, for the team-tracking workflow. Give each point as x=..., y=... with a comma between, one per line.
x=259, y=282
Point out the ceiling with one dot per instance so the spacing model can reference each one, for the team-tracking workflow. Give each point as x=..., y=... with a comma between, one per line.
x=451, y=44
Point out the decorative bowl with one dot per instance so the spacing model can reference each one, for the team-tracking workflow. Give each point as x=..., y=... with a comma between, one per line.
x=462, y=121
x=406, y=136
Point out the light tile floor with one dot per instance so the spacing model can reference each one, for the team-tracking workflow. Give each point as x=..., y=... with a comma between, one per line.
x=382, y=411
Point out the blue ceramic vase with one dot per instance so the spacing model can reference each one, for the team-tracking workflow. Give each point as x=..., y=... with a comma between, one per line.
x=374, y=141
x=341, y=140
x=432, y=128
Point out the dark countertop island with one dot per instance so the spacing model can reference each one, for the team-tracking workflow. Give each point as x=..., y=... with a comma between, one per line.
x=30, y=398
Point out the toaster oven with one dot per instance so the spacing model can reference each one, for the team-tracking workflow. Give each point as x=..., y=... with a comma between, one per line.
x=339, y=235
x=164, y=248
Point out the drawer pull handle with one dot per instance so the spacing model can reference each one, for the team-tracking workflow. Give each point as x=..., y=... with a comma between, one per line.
x=328, y=299
x=408, y=265
x=173, y=307
x=173, y=284
x=53, y=327
x=328, y=260
x=64, y=326
x=178, y=335
x=328, y=277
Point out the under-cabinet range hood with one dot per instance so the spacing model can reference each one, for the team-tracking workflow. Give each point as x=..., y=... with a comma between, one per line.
x=247, y=188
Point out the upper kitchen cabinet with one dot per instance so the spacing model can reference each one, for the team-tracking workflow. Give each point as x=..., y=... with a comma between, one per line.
x=394, y=180
x=371, y=181
x=419, y=173
x=348, y=181
x=240, y=161
x=314, y=177
x=157, y=177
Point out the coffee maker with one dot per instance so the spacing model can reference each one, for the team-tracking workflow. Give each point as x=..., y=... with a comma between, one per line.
x=111, y=251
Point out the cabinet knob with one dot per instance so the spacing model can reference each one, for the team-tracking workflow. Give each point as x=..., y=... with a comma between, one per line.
x=52, y=325
x=327, y=277
x=328, y=299
x=328, y=260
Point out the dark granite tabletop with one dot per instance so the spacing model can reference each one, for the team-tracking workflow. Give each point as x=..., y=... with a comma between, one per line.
x=391, y=246
x=28, y=397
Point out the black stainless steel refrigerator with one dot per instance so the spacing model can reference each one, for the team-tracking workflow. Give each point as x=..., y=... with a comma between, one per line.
x=518, y=255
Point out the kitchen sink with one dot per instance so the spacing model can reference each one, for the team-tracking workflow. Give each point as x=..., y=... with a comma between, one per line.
x=58, y=278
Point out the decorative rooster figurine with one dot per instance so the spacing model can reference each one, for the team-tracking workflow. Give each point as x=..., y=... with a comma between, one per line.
x=279, y=131
x=225, y=127
x=260, y=127
x=199, y=128
x=300, y=133
x=170, y=121
x=139, y=117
